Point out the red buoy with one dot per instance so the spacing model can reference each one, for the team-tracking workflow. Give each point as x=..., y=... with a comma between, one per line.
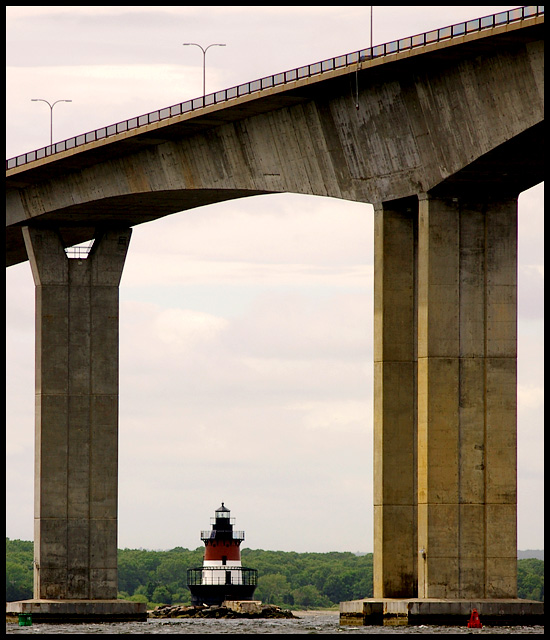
x=475, y=622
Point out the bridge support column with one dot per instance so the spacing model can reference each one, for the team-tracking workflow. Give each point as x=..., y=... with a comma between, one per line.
x=445, y=399
x=467, y=279
x=76, y=445
x=395, y=230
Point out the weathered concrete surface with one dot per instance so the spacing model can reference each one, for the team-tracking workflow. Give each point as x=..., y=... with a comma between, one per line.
x=467, y=398
x=55, y=611
x=451, y=612
x=395, y=432
x=445, y=398
x=452, y=116
x=76, y=453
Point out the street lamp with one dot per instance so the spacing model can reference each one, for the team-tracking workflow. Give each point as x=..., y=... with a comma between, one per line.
x=51, y=113
x=357, y=68
x=371, y=30
x=189, y=44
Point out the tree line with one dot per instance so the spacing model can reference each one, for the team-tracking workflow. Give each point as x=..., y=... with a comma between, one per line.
x=285, y=578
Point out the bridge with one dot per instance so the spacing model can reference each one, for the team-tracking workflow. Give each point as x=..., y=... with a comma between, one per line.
x=440, y=132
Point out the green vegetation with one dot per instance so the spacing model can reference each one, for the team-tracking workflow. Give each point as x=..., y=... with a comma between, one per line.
x=289, y=579
x=19, y=573
x=309, y=580
x=531, y=579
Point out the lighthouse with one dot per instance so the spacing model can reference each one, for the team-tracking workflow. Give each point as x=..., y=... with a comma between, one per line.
x=222, y=576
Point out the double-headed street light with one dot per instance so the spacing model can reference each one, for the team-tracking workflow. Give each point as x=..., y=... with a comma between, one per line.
x=194, y=44
x=51, y=113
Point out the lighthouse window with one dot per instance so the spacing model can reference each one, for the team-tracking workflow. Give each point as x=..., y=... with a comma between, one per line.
x=224, y=560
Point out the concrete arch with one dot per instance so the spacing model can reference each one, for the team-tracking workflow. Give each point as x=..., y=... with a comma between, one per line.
x=444, y=121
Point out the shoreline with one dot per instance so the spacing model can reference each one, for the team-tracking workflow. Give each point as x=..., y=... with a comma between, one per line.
x=312, y=612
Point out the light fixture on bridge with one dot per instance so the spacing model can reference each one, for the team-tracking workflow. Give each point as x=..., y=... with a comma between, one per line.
x=51, y=113
x=194, y=44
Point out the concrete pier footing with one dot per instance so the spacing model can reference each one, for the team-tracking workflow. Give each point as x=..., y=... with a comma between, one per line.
x=54, y=611
x=435, y=611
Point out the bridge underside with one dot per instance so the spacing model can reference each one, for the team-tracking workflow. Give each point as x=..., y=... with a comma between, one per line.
x=513, y=167
x=82, y=223
x=454, y=119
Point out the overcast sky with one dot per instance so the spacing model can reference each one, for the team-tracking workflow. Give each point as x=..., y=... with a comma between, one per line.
x=246, y=327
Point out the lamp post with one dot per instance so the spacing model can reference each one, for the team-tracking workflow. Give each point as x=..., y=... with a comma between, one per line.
x=189, y=44
x=357, y=69
x=371, y=30
x=51, y=113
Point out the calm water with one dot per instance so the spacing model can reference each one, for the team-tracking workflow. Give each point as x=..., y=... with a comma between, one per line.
x=308, y=622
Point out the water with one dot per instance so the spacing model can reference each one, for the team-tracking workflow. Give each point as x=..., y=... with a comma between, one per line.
x=307, y=622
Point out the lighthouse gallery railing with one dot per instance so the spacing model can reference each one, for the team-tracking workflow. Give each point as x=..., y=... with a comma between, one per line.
x=222, y=575
x=210, y=535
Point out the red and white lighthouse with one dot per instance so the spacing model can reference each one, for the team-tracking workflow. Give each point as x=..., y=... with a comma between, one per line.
x=222, y=576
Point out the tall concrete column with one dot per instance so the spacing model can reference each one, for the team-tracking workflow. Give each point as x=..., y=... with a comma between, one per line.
x=445, y=398
x=467, y=256
x=395, y=513
x=76, y=457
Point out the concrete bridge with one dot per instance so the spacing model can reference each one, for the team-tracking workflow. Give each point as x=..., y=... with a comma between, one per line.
x=441, y=132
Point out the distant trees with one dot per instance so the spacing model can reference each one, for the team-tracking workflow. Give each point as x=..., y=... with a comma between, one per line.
x=159, y=577
x=273, y=588
x=19, y=570
x=531, y=579
x=309, y=580
x=288, y=579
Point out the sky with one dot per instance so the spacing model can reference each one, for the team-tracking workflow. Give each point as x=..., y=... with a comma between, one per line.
x=246, y=362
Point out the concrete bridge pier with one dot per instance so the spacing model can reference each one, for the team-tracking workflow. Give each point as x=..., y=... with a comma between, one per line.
x=466, y=398
x=445, y=398
x=395, y=429
x=76, y=422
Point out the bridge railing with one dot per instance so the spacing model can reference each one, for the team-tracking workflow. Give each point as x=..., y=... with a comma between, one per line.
x=388, y=48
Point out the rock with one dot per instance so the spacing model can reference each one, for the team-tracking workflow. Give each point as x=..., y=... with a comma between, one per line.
x=215, y=611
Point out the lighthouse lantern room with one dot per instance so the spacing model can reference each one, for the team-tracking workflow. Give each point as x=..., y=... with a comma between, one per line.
x=222, y=576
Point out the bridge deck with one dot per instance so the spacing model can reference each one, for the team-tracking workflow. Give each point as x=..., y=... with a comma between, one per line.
x=265, y=94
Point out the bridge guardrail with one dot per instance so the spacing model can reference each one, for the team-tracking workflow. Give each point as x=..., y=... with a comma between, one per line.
x=388, y=48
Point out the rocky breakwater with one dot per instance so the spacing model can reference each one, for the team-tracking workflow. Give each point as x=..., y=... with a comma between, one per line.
x=228, y=609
